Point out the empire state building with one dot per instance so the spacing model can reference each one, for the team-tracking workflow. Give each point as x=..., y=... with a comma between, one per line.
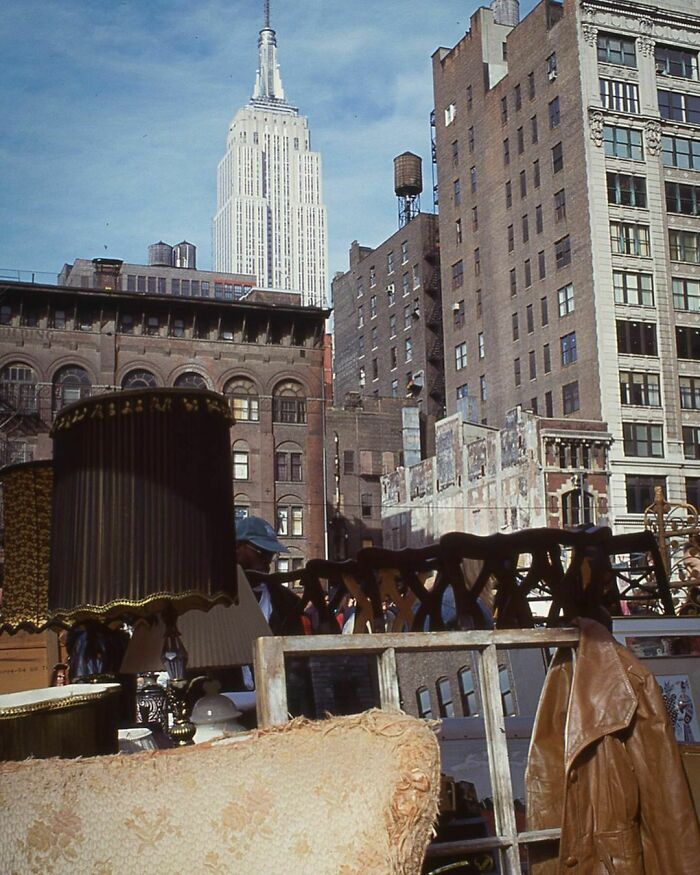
x=270, y=219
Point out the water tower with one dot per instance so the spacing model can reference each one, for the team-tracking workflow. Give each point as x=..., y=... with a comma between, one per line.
x=408, y=184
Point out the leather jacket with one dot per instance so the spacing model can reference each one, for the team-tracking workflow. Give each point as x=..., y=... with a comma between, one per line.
x=604, y=765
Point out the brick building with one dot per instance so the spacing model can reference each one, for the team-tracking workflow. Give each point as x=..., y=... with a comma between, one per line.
x=568, y=147
x=388, y=319
x=265, y=352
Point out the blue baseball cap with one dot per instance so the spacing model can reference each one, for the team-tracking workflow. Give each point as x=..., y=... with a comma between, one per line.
x=259, y=533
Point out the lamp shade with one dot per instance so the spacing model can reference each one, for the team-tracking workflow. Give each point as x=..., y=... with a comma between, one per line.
x=27, y=525
x=142, y=505
x=221, y=636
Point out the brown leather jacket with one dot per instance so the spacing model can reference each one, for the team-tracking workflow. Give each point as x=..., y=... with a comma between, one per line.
x=605, y=766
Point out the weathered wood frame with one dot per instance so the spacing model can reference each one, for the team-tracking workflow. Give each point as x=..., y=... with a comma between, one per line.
x=272, y=705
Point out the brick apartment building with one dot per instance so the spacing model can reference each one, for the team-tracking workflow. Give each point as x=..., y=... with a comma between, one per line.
x=568, y=151
x=265, y=352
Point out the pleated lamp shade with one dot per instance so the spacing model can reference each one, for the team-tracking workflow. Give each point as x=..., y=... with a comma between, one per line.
x=222, y=636
x=27, y=520
x=142, y=505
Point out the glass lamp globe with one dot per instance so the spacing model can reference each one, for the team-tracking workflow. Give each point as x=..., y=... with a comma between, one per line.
x=214, y=714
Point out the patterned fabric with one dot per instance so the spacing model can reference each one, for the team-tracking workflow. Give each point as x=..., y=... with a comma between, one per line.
x=345, y=796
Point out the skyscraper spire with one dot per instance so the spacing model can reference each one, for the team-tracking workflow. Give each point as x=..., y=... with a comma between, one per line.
x=268, y=83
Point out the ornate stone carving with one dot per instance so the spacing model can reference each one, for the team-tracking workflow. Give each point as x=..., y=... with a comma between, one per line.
x=652, y=135
x=595, y=120
x=590, y=33
x=646, y=26
x=589, y=11
x=645, y=46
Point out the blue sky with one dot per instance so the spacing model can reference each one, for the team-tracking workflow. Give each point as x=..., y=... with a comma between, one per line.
x=115, y=115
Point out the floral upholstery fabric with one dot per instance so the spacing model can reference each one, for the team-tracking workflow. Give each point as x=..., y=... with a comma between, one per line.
x=346, y=796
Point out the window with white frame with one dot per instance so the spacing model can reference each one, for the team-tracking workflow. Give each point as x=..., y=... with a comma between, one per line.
x=686, y=294
x=460, y=356
x=565, y=298
x=640, y=389
x=633, y=288
x=619, y=96
x=450, y=114
x=684, y=246
x=643, y=439
x=625, y=190
x=628, y=238
x=240, y=458
x=672, y=61
x=690, y=392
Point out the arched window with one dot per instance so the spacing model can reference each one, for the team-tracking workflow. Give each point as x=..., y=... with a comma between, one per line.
x=18, y=387
x=290, y=517
x=444, y=694
x=289, y=403
x=70, y=383
x=572, y=505
x=241, y=506
x=191, y=380
x=139, y=379
x=240, y=458
x=289, y=463
x=244, y=399
x=467, y=692
x=423, y=700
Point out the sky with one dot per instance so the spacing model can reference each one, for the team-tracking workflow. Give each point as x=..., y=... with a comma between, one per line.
x=115, y=116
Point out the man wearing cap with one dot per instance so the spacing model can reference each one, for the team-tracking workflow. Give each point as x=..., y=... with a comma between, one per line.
x=256, y=547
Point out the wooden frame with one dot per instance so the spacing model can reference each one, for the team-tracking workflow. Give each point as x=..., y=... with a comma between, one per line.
x=272, y=705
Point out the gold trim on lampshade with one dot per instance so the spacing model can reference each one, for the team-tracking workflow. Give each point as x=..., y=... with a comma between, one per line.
x=143, y=505
x=221, y=636
x=27, y=491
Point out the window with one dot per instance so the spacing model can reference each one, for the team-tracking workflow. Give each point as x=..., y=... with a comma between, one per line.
x=290, y=520
x=570, y=398
x=469, y=97
x=554, y=116
x=392, y=325
x=682, y=199
x=18, y=389
x=518, y=97
x=460, y=356
x=528, y=273
x=568, y=348
x=361, y=345
x=615, y=49
x=243, y=398
x=516, y=371
x=457, y=192
x=684, y=246
x=477, y=262
x=544, y=310
x=521, y=140
x=393, y=358
x=408, y=344
x=523, y=184
x=289, y=403
x=457, y=274
x=375, y=337
x=509, y=195
x=504, y=110
x=640, y=389
x=177, y=328
x=531, y=86
x=552, y=66
x=633, y=288
x=373, y=307
x=472, y=178
x=482, y=387
x=622, y=143
x=506, y=151
x=70, y=383
x=681, y=63
x=458, y=230
x=507, y=699
x=532, y=362
x=391, y=294
x=126, y=324
x=533, y=130
x=541, y=265
x=288, y=466
x=139, y=379
x=562, y=252
x=407, y=317
x=619, y=96
x=511, y=238
x=636, y=338
x=538, y=219
x=686, y=294
x=480, y=343
x=404, y=252
x=375, y=369
x=458, y=314
x=565, y=298
x=416, y=277
x=679, y=107
x=462, y=391
x=513, y=283
x=525, y=228
x=475, y=218
x=394, y=387
x=691, y=442
x=366, y=504
x=692, y=491
x=533, y=405
x=390, y=262
x=627, y=238
x=455, y=153
x=152, y=326
x=688, y=342
x=548, y=405
x=372, y=277
x=627, y=191
x=640, y=491
x=467, y=691
x=444, y=695
x=643, y=439
x=425, y=709
x=681, y=153
x=360, y=316
x=690, y=393
x=571, y=507
x=450, y=113
x=362, y=377
x=515, y=326
x=191, y=380
x=557, y=158
x=240, y=462
x=470, y=139
x=536, y=173
x=559, y=205
x=547, y=361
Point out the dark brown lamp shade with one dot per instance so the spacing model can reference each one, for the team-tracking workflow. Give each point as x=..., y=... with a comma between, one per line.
x=27, y=524
x=143, y=505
